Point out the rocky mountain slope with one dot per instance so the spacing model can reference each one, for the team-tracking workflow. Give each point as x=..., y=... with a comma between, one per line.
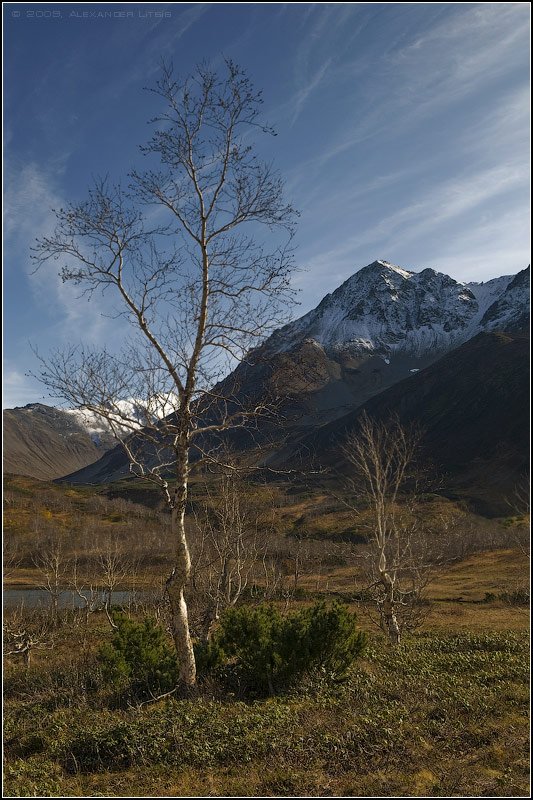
x=386, y=310
x=382, y=325
x=473, y=408
x=45, y=442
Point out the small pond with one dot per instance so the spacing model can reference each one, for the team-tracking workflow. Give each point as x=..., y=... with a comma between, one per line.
x=39, y=598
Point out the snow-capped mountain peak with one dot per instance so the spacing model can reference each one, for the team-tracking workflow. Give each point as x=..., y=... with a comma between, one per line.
x=384, y=309
x=394, y=267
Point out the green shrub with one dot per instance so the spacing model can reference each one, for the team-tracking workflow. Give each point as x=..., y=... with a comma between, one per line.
x=139, y=657
x=518, y=597
x=322, y=636
x=208, y=656
x=272, y=651
x=32, y=777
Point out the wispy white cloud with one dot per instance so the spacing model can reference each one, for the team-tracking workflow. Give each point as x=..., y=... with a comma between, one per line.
x=405, y=86
x=302, y=95
x=505, y=131
x=454, y=199
x=312, y=65
x=423, y=217
x=19, y=389
x=469, y=50
x=427, y=202
x=31, y=194
x=467, y=257
x=150, y=42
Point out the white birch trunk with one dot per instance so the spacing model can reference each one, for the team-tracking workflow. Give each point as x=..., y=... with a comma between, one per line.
x=177, y=581
x=388, y=610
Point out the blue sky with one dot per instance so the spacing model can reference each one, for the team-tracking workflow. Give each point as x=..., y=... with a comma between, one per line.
x=403, y=134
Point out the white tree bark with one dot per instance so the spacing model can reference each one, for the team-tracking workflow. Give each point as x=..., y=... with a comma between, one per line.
x=383, y=455
x=178, y=579
x=198, y=292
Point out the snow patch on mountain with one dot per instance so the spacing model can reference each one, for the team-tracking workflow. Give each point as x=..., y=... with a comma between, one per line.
x=510, y=311
x=125, y=416
x=386, y=310
x=92, y=423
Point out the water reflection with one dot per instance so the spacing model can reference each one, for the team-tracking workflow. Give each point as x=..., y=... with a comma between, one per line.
x=40, y=598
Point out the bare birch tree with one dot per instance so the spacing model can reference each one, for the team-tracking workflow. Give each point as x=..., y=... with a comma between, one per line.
x=53, y=568
x=113, y=568
x=382, y=484
x=86, y=591
x=520, y=505
x=26, y=630
x=234, y=527
x=196, y=291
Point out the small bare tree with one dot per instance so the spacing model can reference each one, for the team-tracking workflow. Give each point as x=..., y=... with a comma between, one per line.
x=520, y=505
x=519, y=535
x=53, y=569
x=197, y=292
x=113, y=568
x=383, y=486
x=86, y=591
x=298, y=557
x=26, y=630
x=293, y=562
x=11, y=560
x=233, y=531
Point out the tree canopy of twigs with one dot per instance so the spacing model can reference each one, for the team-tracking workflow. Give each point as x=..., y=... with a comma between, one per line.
x=383, y=484
x=183, y=254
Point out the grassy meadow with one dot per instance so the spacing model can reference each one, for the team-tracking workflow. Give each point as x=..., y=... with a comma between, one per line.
x=443, y=714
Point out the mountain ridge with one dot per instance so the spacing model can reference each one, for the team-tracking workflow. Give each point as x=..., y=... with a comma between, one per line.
x=385, y=309
x=472, y=408
x=45, y=442
x=381, y=325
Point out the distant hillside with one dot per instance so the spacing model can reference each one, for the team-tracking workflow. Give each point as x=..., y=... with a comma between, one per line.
x=474, y=407
x=45, y=442
x=382, y=325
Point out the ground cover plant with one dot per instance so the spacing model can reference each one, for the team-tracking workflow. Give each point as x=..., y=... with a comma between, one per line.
x=444, y=713
x=441, y=714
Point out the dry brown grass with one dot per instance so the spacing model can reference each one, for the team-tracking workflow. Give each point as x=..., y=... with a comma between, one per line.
x=494, y=571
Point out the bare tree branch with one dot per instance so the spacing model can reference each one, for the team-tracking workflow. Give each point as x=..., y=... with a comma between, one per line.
x=195, y=293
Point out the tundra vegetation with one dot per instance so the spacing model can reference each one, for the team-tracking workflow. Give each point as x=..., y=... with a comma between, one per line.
x=95, y=710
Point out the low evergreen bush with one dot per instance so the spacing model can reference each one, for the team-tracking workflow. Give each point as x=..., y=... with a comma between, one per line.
x=139, y=657
x=273, y=651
